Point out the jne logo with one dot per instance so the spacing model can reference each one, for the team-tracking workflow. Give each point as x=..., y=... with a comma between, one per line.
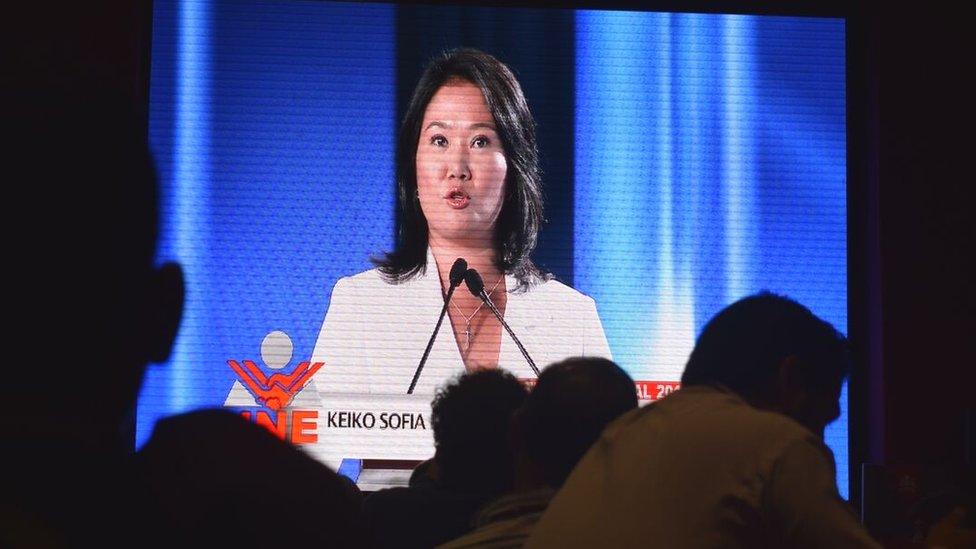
x=276, y=391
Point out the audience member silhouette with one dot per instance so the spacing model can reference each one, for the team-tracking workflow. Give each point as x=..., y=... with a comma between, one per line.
x=100, y=311
x=733, y=459
x=472, y=464
x=563, y=415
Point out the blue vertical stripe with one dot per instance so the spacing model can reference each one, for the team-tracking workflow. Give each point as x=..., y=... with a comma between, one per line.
x=189, y=190
x=738, y=155
x=624, y=200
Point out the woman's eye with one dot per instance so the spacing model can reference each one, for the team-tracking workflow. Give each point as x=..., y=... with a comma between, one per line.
x=438, y=141
x=480, y=142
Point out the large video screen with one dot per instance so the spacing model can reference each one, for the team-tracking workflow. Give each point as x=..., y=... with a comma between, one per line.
x=684, y=161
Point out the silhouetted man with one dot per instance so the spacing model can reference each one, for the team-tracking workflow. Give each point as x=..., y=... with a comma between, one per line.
x=563, y=415
x=472, y=464
x=99, y=310
x=734, y=459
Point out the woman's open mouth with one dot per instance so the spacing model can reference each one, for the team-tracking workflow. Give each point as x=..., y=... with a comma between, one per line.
x=457, y=199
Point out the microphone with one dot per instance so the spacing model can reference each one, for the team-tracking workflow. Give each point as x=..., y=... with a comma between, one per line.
x=457, y=275
x=477, y=287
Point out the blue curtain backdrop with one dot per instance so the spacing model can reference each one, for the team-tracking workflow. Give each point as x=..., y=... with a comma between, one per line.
x=710, y=164
x=272, y=125
x=688, y=160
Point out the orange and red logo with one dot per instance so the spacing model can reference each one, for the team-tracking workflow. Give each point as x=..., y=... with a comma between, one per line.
x=276, y=391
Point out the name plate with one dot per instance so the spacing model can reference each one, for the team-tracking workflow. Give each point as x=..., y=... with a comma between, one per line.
x=372, y=426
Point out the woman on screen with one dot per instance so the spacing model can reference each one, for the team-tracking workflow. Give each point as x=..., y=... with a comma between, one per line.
x=469, y=187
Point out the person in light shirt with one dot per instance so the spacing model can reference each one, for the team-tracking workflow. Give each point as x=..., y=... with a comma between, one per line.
x=735, y=458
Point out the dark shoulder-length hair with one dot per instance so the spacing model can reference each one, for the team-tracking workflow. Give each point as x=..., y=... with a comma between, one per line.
x=517, y=228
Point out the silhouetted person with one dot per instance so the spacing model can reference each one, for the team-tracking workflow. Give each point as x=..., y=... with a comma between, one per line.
x=95, y=311
x=734, y=459
x=564, y=414
x=472, y=464
x=99, y=311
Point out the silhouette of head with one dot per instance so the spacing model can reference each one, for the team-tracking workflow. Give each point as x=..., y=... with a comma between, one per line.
x=777, y=355
x=83, y=160
x=471, y=419
x=567, y=410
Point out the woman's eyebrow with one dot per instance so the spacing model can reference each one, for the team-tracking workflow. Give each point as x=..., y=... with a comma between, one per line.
x=447, y=126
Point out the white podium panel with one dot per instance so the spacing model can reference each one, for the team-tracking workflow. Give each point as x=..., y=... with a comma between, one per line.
x=372, y=427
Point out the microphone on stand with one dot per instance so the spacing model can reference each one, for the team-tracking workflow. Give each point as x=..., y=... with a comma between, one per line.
x=457, y=275
x=477, y=287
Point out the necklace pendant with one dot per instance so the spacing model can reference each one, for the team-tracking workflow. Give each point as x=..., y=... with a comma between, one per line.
x=467, y=338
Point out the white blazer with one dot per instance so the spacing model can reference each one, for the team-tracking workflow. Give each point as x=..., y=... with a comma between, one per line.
x=375, y=333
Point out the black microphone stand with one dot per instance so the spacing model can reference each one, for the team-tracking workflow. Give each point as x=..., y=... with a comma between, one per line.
x=457, y=275
x=477, y=287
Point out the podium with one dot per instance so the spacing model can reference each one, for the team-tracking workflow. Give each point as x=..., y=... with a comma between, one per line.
x=374, y=439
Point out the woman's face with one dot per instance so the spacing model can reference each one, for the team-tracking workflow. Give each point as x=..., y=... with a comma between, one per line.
x=461, y=166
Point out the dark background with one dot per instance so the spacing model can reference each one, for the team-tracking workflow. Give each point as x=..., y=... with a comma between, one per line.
x=912, y=318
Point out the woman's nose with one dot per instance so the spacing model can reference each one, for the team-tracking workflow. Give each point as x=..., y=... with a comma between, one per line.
x=459, y=168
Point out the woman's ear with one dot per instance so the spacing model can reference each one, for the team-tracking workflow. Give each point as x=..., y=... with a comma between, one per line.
x=789, y=389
